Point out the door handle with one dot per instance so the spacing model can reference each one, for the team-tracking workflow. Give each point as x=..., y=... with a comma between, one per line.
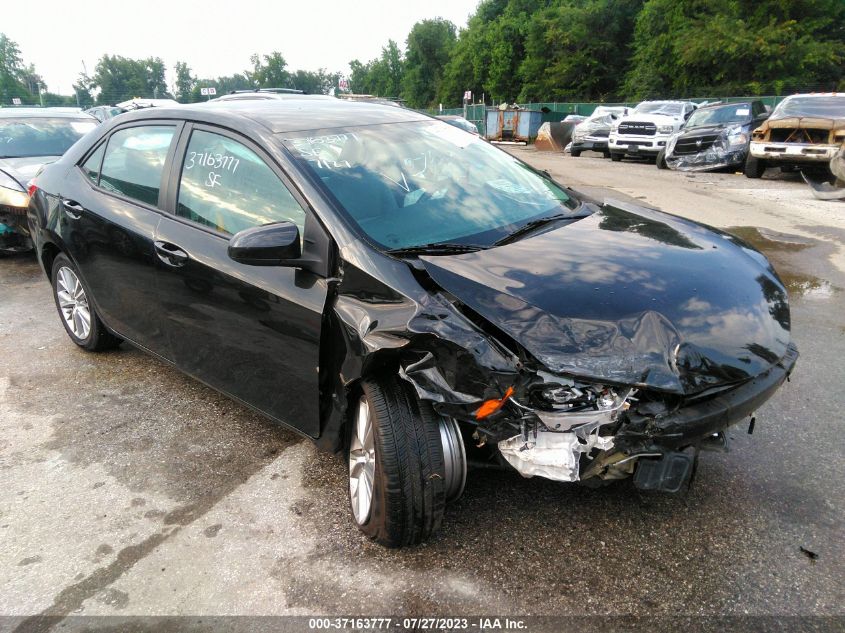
x=171, y=254
x=73, y=209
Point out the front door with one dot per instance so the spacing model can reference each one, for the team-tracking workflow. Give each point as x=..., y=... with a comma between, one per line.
x=252, y=332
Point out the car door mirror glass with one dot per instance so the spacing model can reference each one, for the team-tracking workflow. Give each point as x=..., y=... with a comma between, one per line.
x=268, y=245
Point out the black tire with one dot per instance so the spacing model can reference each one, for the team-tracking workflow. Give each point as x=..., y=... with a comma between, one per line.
x=754, y=167
x=98, y=338
x=660, y=161
x=606, y=153
x=615, y=157
x=575, y=153
x=409, y=493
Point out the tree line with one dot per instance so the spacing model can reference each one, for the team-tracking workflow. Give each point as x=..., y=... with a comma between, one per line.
x=614, y=50
x=528, y=50
x=116, y=79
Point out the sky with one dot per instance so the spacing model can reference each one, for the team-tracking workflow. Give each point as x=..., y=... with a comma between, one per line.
x=215, y=37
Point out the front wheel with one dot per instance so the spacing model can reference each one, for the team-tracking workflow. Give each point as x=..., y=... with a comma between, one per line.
x=616, y=157
x=73, y=301
x=575, y=153
x=405, y=463
x=660, y=161
x=754, y=167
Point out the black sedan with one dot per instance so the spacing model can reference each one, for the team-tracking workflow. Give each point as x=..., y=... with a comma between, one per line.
x=408, y=295
x=715, y=137
x=29, y=138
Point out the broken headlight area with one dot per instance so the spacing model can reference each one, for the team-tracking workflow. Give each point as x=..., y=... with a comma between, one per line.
x=706, y=151
x=569, y=430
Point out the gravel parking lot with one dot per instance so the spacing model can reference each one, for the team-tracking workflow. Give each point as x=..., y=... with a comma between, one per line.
x=127, y=488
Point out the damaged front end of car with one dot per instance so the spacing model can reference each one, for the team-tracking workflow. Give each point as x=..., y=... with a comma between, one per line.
x=708, y=150
x=600, y=350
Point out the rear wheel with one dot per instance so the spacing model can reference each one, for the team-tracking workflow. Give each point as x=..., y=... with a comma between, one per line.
x=616, y=157
x=660, y=161
x=576, y=153
x=754, y=167
x=77, y=314
x=405, y=463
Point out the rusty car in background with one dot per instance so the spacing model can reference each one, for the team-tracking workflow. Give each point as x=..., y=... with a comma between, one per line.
x=804, y=131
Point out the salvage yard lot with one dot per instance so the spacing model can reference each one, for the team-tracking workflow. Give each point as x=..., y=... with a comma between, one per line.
x=127, y=488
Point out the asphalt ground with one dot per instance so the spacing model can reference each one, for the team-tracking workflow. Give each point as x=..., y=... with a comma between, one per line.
x=127, y=488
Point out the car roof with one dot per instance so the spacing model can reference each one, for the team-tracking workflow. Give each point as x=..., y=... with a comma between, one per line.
x=58, y=113
x=284, y=115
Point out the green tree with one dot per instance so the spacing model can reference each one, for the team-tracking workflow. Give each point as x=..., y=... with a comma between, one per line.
x=11, y=72
x=185, y=82
x=223, y=85
x=490, y=51
x=429, y=48
x=577, y=50
x=700, y=47
x=270, y=71
x=121, y=78
x=314, y=82
x=381, y=76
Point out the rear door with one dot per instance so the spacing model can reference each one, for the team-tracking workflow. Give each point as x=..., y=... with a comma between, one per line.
x=252, y=332
x=109, y=212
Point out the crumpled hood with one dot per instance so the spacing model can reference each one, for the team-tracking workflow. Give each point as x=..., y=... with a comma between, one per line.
x=24, y=169
x=630, y=295
x=701, y=130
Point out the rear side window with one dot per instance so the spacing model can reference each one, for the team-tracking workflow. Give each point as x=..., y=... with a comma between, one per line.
x=91, y=167
x=227, y=186
x=134, y=161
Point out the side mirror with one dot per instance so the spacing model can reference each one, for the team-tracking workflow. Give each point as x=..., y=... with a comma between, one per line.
x=269, y=245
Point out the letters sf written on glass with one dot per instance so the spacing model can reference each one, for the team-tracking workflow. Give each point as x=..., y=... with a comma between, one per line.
x=212, y=161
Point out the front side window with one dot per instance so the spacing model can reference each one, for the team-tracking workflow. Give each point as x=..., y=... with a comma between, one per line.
x=134, y=161
x=41, y=136
x=425, y=182
x=227, y=186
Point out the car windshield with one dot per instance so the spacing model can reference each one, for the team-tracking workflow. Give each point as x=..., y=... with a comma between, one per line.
x=659, y=107
x=734, y=113
x=426, y=182
x=831, y=106
x=37, y=136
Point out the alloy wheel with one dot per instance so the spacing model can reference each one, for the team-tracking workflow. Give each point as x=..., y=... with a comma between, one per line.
x=73, y=303
x=362, y=464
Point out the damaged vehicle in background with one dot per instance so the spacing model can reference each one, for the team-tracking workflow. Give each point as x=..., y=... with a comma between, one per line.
x=716, y=136
x=803, y=132
x=29, y=138
x=410, y=296
x=592, y=133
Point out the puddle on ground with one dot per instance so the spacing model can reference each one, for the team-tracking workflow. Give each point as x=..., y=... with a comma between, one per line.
x=781, y=249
